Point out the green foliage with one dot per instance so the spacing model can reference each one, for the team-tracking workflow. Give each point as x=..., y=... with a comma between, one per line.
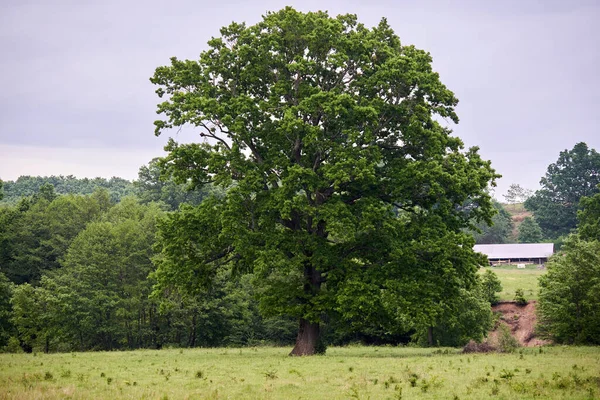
x=101, y=293
x=152, y=187
x=31, y=317
x=530, y=231
x=343, y=185
x=27, y=186
x=500, y=229
x=491, y=285
x=589, y=218
x=467, y=317
x=6, y=327
x=12, y=346
x=570, y=294
x=89, y=270
x=575, y=174
x=520, y=297
x=35, y=234
x=506, y=341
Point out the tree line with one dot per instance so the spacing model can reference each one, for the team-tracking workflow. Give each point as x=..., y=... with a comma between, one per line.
x=76, y=274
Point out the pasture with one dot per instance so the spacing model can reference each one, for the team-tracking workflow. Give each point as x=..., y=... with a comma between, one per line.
x=354, y=372
x=513, y=279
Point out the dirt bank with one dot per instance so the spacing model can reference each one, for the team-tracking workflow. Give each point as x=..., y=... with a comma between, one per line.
x=521, y=320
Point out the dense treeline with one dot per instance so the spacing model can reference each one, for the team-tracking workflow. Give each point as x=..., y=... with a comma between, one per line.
x=148, y=187
x=75, y=273
x=26, y=186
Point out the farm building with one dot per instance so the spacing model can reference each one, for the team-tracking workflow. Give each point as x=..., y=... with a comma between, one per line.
x=534, y=253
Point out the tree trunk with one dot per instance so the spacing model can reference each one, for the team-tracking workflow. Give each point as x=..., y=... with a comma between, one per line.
x=309, y=332
x=430, y=336
x=308, y=336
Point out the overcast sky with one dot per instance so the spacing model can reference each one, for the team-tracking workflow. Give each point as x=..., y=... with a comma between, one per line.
x=75, y=96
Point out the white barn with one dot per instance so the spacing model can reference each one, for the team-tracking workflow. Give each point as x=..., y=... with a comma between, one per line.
x=536, y=253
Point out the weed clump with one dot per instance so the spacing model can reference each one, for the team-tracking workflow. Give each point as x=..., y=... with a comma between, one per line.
x=474, y=347
x=271, y=374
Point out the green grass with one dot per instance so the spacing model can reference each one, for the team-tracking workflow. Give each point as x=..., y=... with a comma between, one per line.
x=269, y=373
x=513, y=278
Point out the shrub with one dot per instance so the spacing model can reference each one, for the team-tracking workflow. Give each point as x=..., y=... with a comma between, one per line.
x=490, y=286
x=13, y=346
x=520, y=297
x=506, y=341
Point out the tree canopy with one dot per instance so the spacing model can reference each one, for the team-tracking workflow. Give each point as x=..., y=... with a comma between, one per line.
x=151, y=186
x=500, y=229
x=530, y=231
x=517, y=194
x=574, y=175
x=589, y=217
x=570, y=293
x=345, y=192
x=26, y=186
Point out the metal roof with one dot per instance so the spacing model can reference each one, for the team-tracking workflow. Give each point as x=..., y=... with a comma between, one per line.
x=517, y=250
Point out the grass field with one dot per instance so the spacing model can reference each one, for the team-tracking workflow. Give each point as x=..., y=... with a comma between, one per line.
x=268, y=373
x=513, y=279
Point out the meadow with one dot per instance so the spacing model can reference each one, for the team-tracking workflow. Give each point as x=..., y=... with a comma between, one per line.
x=354, y=372
x=513, y=278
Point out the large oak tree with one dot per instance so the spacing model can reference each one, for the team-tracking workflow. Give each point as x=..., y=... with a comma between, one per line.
x=345, y=191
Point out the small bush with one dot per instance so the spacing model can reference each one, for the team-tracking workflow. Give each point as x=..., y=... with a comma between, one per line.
x=13, y=346
x=320, y=347
x=520, y=297
x=506, y=374
x=65, y=373
x=506, y=341
x=272, y=374
x=491, y=285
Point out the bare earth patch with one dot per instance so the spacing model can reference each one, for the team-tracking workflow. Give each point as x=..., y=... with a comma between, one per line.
x=521, y=321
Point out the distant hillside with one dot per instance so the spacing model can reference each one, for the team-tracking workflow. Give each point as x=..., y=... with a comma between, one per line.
x=517, y=213
x=29, y=185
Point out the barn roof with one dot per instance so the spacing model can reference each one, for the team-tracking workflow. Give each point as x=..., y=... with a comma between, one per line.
x=517, y=250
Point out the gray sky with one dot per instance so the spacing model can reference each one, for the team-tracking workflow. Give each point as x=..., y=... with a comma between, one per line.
x=75, y=96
